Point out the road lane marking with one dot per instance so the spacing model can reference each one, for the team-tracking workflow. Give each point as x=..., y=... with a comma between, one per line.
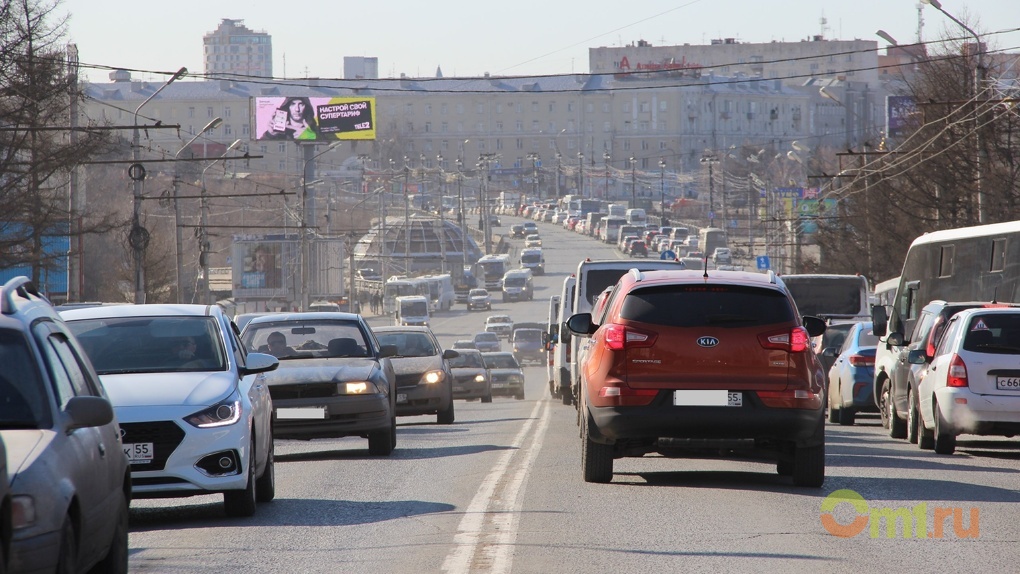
x=486, y=534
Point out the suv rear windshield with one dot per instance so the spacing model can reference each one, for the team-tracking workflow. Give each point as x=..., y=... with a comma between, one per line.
x=996, y=334
x=703, y=305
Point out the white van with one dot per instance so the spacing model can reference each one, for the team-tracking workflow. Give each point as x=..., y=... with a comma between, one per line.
x=518, y=285
x=636, y=216
x=561, y=353
x=412, y=310
x=552, y=333
x=533, y=259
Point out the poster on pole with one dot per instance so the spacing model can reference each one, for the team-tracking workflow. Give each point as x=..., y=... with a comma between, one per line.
x=313, y=119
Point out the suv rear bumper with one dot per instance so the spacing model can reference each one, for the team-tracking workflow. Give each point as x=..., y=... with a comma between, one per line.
x=750, y=421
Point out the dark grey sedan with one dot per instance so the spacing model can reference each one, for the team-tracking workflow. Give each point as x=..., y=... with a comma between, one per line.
x=424, y=380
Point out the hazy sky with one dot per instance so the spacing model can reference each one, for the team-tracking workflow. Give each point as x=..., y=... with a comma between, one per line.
x=471, y=37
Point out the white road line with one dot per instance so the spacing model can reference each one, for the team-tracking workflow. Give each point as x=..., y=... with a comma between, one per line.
x=487, y=532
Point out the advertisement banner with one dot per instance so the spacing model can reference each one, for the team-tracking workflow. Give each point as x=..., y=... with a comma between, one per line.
x=313, y=119
x=902, y=116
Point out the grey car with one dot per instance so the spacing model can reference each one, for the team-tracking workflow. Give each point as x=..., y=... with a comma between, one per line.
x=470, y=377
x=506, y=374
x=424, y=380
x=69, y=481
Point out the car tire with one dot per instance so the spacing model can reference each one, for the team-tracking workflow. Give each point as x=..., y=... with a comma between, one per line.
x=945, y=441
x=520, y=395
x=925, y=437
x=897, y=426
x=265, y=485
x=596, y=458
x=67, y=555
x=381, y=443
x=847, y=416
x=567, y=398
x=809, y=465
x=833, y=414
x=912, y=422
x=116, y=559
x=446, y=416
x=784, y=467
x=241, y=503
x=883, y=398
x=554, y=390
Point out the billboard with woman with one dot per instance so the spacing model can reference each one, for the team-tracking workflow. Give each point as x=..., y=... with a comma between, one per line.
x=313, y=119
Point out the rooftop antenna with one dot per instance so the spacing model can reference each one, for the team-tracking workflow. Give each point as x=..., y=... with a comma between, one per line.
x=705, y=266
x=823, y=24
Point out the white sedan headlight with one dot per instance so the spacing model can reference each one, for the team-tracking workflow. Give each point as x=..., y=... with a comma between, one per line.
x=433, y=377
x=479, y=378
x=223, y=413
x=356, y=388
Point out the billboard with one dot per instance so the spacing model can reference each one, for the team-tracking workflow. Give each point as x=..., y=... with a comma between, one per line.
x=902, y=116
x=313, y=119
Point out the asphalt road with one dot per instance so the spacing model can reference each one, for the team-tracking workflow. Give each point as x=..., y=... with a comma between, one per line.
x=500, y=490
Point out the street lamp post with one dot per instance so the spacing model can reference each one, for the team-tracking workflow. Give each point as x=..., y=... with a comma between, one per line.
x=662, y=192
x=978, y=80
x=305, y=255
x=203, y=246
x=407, y=218
x=633, y=182
x=710, y=161
x=580, y=174
x=442, y=219
x=606, y=159
x=178, y=235
x=139, y=237
x=461, y=217
x=534, y=157
x=559, y=169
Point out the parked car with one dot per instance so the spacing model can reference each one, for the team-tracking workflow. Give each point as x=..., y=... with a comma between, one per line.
x=972, y=382
x=470, y=377
x=707, y=362
x=194, y=410
x=66, y=483
x=505, y=374
x=852, y=375
x=501, y=325
x=334, y=380
x=487, y=342
x=636, y=248
x=533, y=240
x=479, y=299
x=424, y=380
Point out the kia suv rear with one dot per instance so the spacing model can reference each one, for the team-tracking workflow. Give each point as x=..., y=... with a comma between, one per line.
x=693, y=362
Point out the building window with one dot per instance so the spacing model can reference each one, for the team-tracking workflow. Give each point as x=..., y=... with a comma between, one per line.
x=662, y=106
x=444, y=127
x=408, y=127
x=460, y=109
x=570, y=106
x=520, y=143
x=428, y=109
x=534, y=125
x=191, y=112
x=226, y=111
x=520, y=125
x=480, y=108
x=626, y=107
x=442, y=109
x=534, y=106
x=227, y=130
x=645, y=107
x=428, y=127
x=499, y=126
x=589, y=108
x=607, y=127
x=605, y=107
x=499, y=108
x=209, y=112
x=480, y=127
x=282, y=148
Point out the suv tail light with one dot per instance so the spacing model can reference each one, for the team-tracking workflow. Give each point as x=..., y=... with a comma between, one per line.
x=620, y=337
x=957, y=376
x=795, y=340
x=620, y=395
x=791, y=399
x=862, y=360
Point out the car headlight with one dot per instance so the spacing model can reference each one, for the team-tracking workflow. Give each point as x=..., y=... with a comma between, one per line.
x=433, y=377
x=22, y=511
x=479, y=378
x=223, y=413
x=516, y=350
x=356, y=388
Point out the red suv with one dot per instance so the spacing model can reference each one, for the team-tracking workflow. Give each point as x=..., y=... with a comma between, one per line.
x=701, y=361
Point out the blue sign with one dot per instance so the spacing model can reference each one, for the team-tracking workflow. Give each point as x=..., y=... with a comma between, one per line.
x=667, y=254
x=763, y=262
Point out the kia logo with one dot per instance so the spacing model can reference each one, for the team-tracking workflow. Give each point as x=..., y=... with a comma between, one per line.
x=707, y=341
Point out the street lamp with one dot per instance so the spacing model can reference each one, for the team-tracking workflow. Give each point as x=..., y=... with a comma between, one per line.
x=534, y=157
x=461, y=218
x=305, y=256
x=606, y=158
x=978, y=80
x=633, y=182
x=139, y=237
x=662, y=192
x=580, y=174
x=442, y=219
x=177, y=206
x=203, y=247
x=711, y=161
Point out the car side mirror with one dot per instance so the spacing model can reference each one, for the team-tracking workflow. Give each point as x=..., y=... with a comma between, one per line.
x=387, y=351
x=450, y=354
x=815, y=326
x=829, y=352
x=879, y=320
x=545, y=338
x=85, y=411
x=259, y=363
x=581, y=324
x=916, y=357
x=895, y=339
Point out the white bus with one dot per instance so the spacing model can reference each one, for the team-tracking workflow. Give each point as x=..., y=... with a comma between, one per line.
x=830, y=296
x=561, y=354
x=710, y=238
x=885, y=292
x=609, y=228
x=490, y=270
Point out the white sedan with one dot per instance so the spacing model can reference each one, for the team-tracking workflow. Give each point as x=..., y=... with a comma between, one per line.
x=194, y=410
x=972, y=384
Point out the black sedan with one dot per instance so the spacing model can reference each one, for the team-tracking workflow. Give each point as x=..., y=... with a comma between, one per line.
x=334, y=378
x=424, y=379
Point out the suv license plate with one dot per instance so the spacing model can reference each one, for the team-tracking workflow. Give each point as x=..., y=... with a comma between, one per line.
x=706, y=398
x=1007, y=383
x=138, y=452
x=401, y=397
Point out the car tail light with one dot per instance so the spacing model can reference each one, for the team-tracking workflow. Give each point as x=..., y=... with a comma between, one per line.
x=791, y=399
x=620, y=395
x=957, y=376
x=620, y=337
x=795, y=340
x=862, y=360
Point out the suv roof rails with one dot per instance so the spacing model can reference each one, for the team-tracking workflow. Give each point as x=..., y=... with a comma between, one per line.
x=772, y=276
x=636, y=274
x=21, y=286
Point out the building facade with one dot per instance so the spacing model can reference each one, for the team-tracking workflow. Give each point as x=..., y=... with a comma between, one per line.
x=232, y=49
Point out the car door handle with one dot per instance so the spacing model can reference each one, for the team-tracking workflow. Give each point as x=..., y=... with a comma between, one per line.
x=102, y=450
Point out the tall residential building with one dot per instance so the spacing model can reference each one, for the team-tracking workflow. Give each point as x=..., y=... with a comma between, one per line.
x=234, y=49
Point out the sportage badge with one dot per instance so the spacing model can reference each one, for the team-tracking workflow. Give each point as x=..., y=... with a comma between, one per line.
x=707, y=341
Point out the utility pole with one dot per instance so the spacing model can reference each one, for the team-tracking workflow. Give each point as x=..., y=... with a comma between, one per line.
x=407, y=219
x=662, y=193
x=203, y=241
x=442, y=217
x=606, y=158
x=710, y=161
x=580, y=174
x=633, y=182
x=461, y=216
x=559, y=170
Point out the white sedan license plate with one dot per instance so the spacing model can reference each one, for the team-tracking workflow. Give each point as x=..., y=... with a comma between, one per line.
x=1007, y=383
x=500, y=385
x=401, y=398
x=708, y=398
x=139, y=452
x=301, y=413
